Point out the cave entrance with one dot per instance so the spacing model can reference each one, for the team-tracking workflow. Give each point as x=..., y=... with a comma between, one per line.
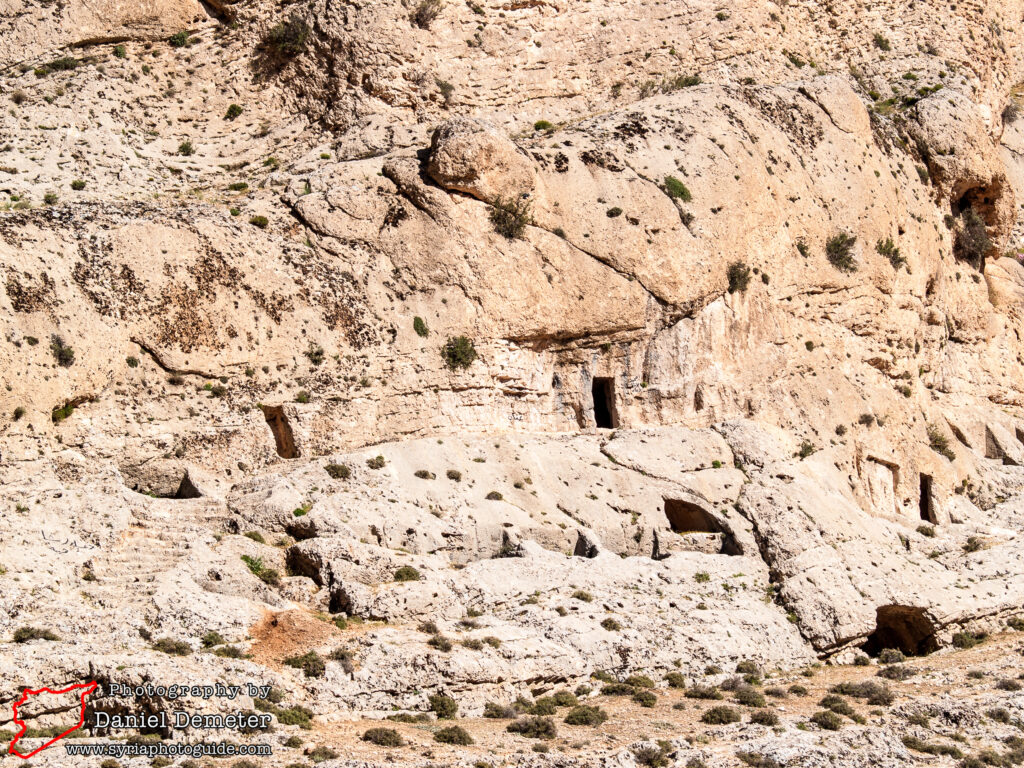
x=187, y=489
x=282, y=431
x=603, y=391
x=925, y=502
x=903, y=627
x=686, y=517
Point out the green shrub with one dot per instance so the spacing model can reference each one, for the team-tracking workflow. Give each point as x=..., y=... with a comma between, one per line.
x=888, y=249
x=827, y=719
x=927, y=530
x=234, y=110
x=376, y=462
x=406, y=573
x=764, y=717
x=424, y=474
x=458, y=352
x=58, y=414
x=939, y=443
x=586, y=715
x=798, y=690
x=613, y=213
x=973, y=544
x=702, y=577
x=1016, y=623
x=311, y=664
x=891, y=656
x=186, y=148
x=839, y=250
x=498, y=711
x=420, y=326
x=564, y=698
x=534, y=727
x=259, y=221
x=494, y=496
x=425, y=12
x=384, y=737
x=720, y=715
x=62, y=353
x=896, y=672
x=968, y=639
x=675, y=189
x=454, y=734
x=543, y=706
x=931, y=748
x=543, y=125
x=445, y=707
x=289, y=37
x=645, y=698
x=338, y=471
x=835, y=703
x=739, y=276
x=178, y=39
x=441, y=643
x=706, y=692
x=882, y=42
x=511, y=217
x=212, y=638
x=748, y=696
x=582, y=596
x=453, y=474
x=26, y=634
x=256, y=536
x=320, y=754
x=238, y=186
x=172, y=647
x=972, y=242
x=20, y=411
x=78, y=185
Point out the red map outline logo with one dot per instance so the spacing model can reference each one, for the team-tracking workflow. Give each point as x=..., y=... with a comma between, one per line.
x=87, y=688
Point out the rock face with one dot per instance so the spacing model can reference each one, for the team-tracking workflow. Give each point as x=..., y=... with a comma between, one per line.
x=378, y=352
x=473, y=157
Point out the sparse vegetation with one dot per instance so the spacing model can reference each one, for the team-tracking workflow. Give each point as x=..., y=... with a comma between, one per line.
x=586, y=715
x=259, y=221
x=186, y=148
x=384, y=737
x=425, y=12
x=888, y=249
x=939, y=443
x=839, y=250
x=454, y=734
x=27, y=634
x=511, y=217
x=738, y=275
x=289, y=37
x=720, y=715
x=407, y=573
x=62, y=352
x=420, y=327
x=172, y=647
x=338, y=471
x=311, y=664
x=677, y=190
x=534, y=727
x=458, y=352
x=972, y=243
x=234, y=111
x=444, y=707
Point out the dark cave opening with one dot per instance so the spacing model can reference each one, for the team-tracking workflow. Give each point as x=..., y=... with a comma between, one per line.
x=903, y=627
x=603, y=391
x=925, y=502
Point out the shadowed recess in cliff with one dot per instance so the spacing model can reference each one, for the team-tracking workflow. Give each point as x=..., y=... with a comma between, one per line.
x=284, y=439
x=903, y=627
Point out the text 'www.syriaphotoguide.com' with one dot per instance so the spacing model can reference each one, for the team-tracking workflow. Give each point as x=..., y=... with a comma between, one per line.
x=218, y=749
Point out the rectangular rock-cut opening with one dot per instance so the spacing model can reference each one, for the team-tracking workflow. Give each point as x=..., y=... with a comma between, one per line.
x=282, y=431
x=927, y=509
x=603, y=391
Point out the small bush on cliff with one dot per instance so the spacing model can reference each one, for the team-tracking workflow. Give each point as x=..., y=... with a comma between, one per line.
x=888, y=249
x=425, y=13
x=338, y=471
x=62, y=353
x=839, y=250
x=739, y=276
x=511, y=217
x=586, y=715
x=289, y=37
x=939, y=443
x=420, y=326
x=458, y=352
x=675, y=189
x=972, y=241
x=407, y=573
